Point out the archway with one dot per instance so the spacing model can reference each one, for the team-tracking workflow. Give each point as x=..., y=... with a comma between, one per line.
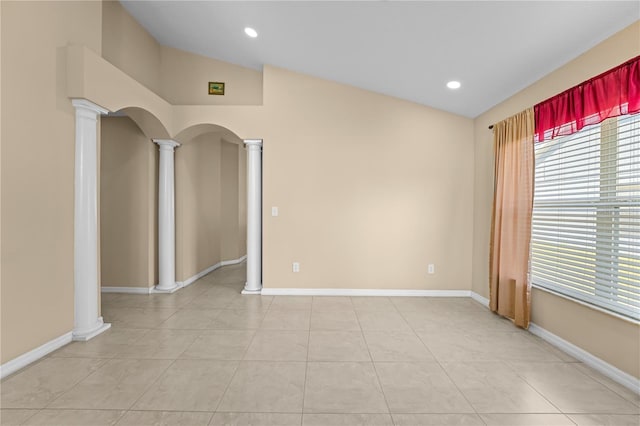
x=128, y=201
x=249, y=201
x=87, y=320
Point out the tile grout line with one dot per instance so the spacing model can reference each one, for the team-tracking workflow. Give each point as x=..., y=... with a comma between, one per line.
x=451, y=380
x=306, y=367
x=524, y=379
x=375, y=370
x=244, y=354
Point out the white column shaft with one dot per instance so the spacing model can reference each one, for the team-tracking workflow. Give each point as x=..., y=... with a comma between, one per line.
x=166, y=217
x=254, y=216
x=87, y=323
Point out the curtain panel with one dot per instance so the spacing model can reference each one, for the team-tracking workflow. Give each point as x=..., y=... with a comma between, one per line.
x=610, y=94
x=510, y=289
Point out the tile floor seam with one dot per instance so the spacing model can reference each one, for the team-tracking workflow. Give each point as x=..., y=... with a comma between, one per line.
x=533, y=387
x=456, y=385
x=190, y=345
x=605, y=383
x=226, y=389
x=306, y=368
x=375, y=369
x=540, y=392
x=415, y=332
x=150, y=385
x=106, y=360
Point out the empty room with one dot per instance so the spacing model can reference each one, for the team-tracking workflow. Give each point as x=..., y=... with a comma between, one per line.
x=319, y=213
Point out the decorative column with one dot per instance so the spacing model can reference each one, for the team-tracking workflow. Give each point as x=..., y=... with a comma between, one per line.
x=166, y=218
x=87, y=323
x=254, y=216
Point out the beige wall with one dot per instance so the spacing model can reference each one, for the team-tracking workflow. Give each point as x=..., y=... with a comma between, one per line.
x=185, y=79
x=38, y=168
x=370, y=189
x=197, y=171
x=127, y=205
x=127, y=45
x=242, y=200
x=603, y=335
x=179, y=77
x=229, y=201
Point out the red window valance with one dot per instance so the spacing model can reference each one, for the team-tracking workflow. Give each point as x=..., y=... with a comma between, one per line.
x=612, y=93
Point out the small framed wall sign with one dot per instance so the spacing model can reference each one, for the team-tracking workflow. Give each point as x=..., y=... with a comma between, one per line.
x=216, y=88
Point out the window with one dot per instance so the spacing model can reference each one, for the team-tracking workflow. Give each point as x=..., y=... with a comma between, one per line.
x=586, y=216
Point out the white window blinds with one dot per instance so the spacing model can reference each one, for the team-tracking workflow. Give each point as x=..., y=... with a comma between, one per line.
x=586, y=216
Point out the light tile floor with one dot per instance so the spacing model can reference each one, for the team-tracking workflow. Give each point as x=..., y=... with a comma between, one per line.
x=207, y=355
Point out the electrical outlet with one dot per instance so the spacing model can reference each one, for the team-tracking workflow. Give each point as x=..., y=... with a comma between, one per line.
x=296, y=267
x=432, y=268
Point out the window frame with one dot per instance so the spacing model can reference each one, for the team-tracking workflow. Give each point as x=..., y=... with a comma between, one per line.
x=609, y=222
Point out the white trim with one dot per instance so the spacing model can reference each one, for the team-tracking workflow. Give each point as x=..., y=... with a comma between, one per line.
x=592, y=361
x=199, y=275
x=362, y=292
x=34, y=355
x=480, y=299
x=130, y=290
x=234, y=261
x=587, y=358
x=179, y=284
x=210, y=269
x=88, y=335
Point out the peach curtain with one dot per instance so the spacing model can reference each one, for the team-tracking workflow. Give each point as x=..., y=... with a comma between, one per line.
x=510, y=289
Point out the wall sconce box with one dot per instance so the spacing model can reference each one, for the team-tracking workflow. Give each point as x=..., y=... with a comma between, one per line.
x=216, y=88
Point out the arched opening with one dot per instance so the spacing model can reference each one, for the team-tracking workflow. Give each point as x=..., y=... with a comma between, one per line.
x=128, y=192
x=129, y=181
x=128, y=210
x=211, y=201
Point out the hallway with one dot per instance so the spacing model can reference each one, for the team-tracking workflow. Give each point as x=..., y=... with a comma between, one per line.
x=207, y=355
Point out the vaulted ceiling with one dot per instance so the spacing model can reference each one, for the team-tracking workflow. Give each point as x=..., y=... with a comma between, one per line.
x=409, y=50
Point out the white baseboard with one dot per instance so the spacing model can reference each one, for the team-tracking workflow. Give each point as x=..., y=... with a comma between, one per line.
x=362, y=292
x=34, y=355
x=130, y=290
x=199, y=275
x=587, y=358
x=210, y=269
x=480, y=299
x=234, y=261
x=180, y=284
x=592, y=361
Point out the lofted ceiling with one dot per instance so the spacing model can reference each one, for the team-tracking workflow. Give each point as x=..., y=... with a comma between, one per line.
x=406, y=49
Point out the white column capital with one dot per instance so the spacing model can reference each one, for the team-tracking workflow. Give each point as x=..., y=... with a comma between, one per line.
x=253, y=143
x=166, y=143
x=88, y=106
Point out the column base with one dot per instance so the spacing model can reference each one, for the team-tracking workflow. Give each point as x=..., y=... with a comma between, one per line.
x=246, y=290
x=169, y=290
x=83, y=336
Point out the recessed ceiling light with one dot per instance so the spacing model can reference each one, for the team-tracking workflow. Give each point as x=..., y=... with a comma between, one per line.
x=453, y=84
x=251, y=32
